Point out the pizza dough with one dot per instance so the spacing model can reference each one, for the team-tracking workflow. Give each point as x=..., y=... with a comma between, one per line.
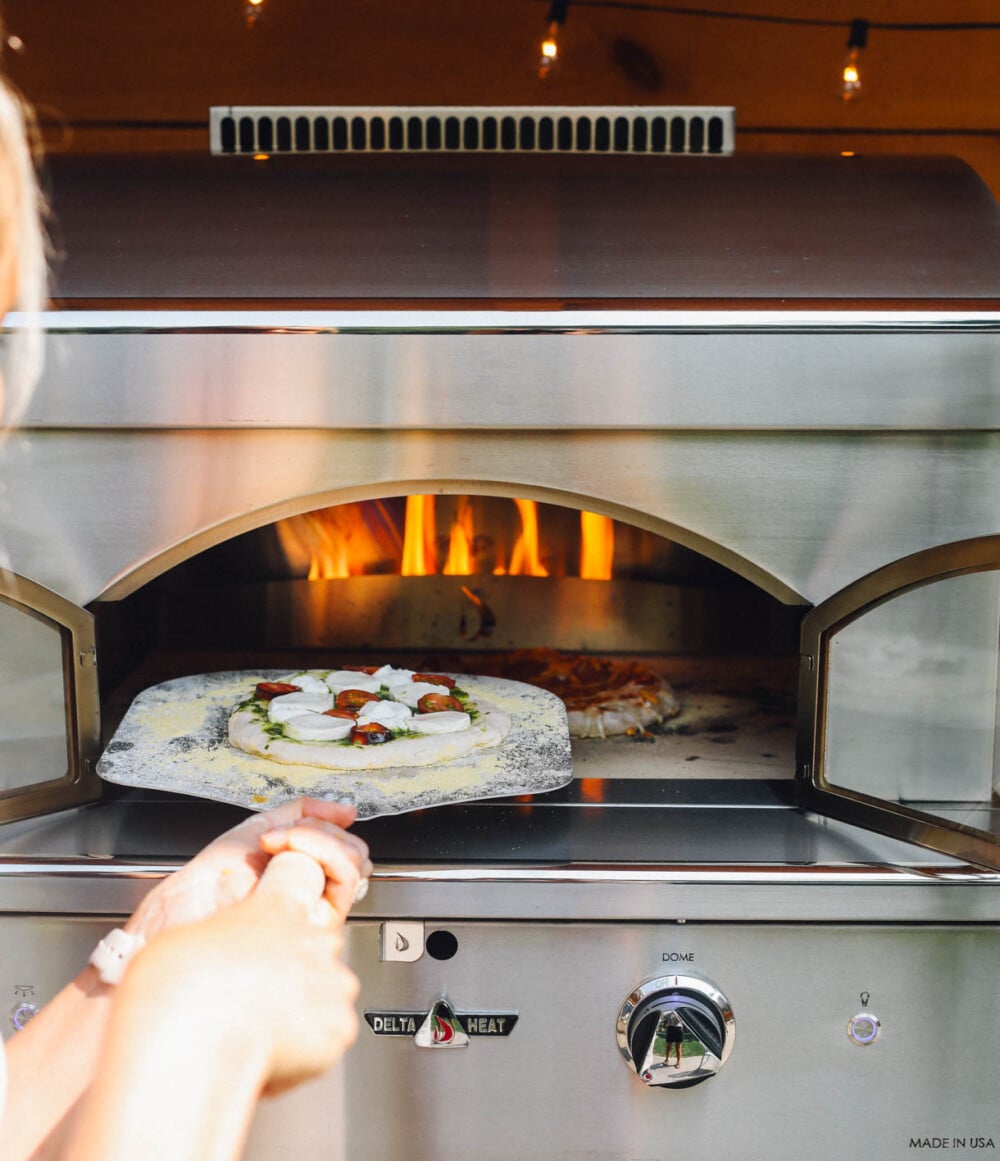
x=273, y=726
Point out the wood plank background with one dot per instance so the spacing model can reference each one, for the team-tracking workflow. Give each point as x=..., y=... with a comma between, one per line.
x=125, y=76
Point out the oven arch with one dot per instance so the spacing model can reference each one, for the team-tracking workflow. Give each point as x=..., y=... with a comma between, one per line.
x=129, y=581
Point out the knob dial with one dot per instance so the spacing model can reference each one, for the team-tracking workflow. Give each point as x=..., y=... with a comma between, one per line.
x=675, y=1031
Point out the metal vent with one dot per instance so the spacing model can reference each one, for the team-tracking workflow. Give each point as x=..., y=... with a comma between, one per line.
x=246, y=129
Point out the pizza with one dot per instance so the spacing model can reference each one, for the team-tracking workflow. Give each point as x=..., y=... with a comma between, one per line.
x=365, y=718
x=603, y=696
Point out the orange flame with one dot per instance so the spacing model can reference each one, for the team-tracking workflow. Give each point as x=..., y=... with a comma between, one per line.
x=418, y=537
x=524, y=559
x=459, y=562
x=597, y=546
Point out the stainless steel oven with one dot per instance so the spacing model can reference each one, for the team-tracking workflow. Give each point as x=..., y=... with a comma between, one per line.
x=773, y=384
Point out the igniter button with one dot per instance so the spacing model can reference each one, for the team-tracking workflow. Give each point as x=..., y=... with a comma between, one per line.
x=400, y=942
x=863, y=1028
x=21, y=1014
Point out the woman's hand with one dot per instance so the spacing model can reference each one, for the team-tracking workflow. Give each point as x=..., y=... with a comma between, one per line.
x=227, y=870
x=251, y=1000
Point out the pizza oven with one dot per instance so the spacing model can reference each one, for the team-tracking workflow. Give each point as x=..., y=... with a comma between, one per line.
x=733, y=419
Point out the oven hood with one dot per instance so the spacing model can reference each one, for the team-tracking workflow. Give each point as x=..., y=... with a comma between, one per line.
x=552, y=231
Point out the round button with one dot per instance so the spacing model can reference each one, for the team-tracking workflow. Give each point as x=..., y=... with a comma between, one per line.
x=863, y=1028
x=20, y=1014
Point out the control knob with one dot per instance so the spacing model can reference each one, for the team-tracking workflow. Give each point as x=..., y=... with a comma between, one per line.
x=675, y=1031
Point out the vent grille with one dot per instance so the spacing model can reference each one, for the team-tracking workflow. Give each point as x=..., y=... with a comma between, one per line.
x=256, y=129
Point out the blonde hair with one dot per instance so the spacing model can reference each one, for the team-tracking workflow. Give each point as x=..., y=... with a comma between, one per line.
x=22, y=213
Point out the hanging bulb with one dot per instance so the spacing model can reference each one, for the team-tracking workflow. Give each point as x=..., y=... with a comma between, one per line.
x=252, y=11
x=550, y=45
x=550, y=51
x=850, y=85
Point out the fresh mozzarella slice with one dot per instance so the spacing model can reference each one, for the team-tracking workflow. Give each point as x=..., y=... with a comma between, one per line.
x=318, y=728
x=390, y=676
x=307, y=682
x=290, y=705
x=413, y=691
x=391, y=714
x=442, y=722
x=349, y=679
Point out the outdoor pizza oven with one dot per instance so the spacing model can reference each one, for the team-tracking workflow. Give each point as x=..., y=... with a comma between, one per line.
x=735, y=418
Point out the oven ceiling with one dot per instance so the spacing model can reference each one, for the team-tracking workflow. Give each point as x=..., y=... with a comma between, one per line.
x=552, y=229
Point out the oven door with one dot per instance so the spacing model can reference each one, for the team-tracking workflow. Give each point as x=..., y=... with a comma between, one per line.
x=49, y=702
x=899, y=702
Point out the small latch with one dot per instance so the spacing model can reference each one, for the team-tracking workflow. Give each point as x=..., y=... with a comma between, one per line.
x=88, y=658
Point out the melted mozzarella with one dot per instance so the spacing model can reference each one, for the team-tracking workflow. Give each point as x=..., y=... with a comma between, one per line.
x=413, y=691
x=389, y=676
x=442, y=722
x=342, y=679
x=318, y=728
x=289, y=705
x=391, y=714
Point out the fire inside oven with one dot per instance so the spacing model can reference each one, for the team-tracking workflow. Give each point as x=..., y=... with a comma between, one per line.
x=499, y=585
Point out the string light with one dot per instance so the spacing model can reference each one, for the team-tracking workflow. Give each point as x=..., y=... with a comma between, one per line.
x=550, y=45
x=856, y=42
x=857, y=39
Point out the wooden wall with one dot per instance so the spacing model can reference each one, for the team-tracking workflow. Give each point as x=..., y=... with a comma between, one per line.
x=124, y=75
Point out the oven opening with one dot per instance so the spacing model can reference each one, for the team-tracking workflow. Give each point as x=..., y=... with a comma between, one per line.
x=490, y=584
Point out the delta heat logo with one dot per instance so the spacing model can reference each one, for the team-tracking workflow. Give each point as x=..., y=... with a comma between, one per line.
x=442, y=1026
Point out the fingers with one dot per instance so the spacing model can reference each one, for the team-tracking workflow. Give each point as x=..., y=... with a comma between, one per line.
x=343, y=857
x=296, y=879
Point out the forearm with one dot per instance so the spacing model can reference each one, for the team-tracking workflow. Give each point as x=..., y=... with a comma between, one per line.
x=178, y=1079
x=51, y=1062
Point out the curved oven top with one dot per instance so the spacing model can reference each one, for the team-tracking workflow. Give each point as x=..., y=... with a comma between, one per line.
x=556, y=230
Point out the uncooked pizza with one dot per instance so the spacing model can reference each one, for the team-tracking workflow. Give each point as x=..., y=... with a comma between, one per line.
x=365, y=718
x=603, y=696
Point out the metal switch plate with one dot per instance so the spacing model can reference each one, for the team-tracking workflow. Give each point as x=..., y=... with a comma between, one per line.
x=400, y=942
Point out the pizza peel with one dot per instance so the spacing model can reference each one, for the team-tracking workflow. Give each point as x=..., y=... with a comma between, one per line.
x=174, y=737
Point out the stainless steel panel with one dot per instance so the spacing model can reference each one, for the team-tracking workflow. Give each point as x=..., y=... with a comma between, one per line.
x=800, y=514
x=560, y=228
x=561, y=370
x=556, y=1088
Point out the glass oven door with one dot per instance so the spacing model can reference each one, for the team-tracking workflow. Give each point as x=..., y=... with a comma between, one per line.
x=49, y=701
x=900, y=702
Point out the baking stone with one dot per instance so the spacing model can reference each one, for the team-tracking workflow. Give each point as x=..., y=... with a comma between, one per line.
x=174, y=737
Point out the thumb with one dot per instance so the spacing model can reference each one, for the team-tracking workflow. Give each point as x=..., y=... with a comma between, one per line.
x=295, y=879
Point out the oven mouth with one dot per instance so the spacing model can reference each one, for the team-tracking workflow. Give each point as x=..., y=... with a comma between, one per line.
x=482, y=584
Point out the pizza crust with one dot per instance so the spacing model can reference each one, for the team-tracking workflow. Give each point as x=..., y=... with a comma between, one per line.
x=491, y=726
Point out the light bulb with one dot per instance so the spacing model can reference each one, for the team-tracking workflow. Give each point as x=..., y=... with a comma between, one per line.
x=850, y=75
x=550, y=50
x=252, y=11
x=850, y=88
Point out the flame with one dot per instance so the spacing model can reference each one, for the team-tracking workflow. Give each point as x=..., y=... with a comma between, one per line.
x=310, y=537
x=459, y=562
x=524, y=559
x=372, y=536
x=418, y=537
x=597, y=546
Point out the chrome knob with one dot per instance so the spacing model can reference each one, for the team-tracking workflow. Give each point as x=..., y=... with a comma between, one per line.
x=675, y=1031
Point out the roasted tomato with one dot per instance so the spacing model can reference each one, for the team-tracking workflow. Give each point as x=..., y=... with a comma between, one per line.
x=435, y=679
x=370, y=734
x=369, y=669
x=432, y=703
x=340, y=713
x=268, y=689
x=354, y=699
